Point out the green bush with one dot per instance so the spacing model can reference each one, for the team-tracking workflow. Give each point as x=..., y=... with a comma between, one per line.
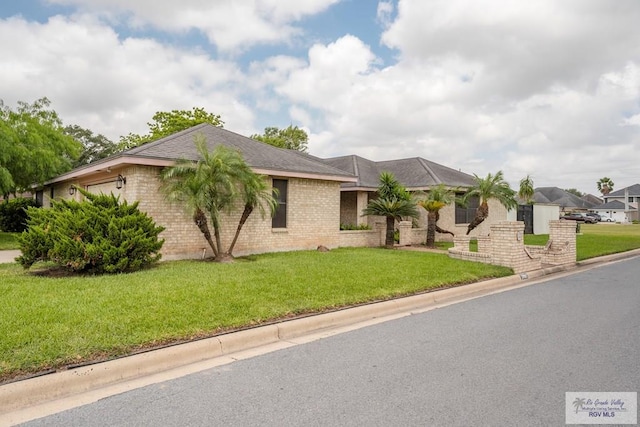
x=98, y=235
x=354, y=227
x=13, y=214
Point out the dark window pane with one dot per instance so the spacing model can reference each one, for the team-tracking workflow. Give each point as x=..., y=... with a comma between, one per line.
x=280, y=193
x=465, y=214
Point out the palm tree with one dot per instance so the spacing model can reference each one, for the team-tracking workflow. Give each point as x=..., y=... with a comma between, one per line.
x=394, y=202
x=212, y=186
x=605, y=185
x=578, y=403
x=255, y=193
x=526, y=189
x=491, y=187
x=437, y=198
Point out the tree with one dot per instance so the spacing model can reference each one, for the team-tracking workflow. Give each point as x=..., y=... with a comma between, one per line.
x=605, y=185
x=526, y=189
x=291, y=137
x=96, y=147
x=212, y=186
x=491, y=187
x=437, y=198
x=167, y=123
x=575, y=192
x=33, y=146
x=394, y=202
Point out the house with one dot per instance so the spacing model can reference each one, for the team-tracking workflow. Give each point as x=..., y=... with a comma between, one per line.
x=614, y=211
x=626, y=202
x=315, y=195
x=568, y=202
x=308, y=214
x=417, y=175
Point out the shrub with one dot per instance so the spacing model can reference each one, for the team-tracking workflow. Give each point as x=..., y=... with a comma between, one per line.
x=354, y=227
x=98, y=235
x=13, y=214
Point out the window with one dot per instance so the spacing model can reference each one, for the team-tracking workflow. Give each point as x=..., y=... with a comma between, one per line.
x=630, y=199
x=465, y=214
x=280, y=194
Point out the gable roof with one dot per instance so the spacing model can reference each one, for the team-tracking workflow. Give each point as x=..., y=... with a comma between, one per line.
x=558, y=196
x=263, y=158
x=413, y=173
x=634, y=190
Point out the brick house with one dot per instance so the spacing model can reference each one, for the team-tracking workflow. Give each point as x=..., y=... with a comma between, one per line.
x=308, y=214
x=316, y=195
x=417, y=175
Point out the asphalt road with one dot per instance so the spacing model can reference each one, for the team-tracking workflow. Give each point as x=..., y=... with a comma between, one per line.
x=501, y=360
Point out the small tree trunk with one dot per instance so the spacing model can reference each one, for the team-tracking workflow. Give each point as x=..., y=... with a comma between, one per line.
x=389, y=241
x=441, y=230
x=245, y=216
x=431, y=229
x=220, y=256
x=481, y=214
x=201, y=221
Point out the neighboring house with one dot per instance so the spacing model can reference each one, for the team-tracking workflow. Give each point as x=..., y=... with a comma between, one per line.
x=308, y=213
x=614, y=211
x=592, y=199
x=417, y=175
x=568, y=202
x=628, y=197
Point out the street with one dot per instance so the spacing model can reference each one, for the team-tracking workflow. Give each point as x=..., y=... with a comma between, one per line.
x=501, y=360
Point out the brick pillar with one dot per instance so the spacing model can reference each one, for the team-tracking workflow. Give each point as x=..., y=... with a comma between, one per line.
x=381, y=228
x=405, y=233
x=461, y=242
x=507, y=247
x=563, y=239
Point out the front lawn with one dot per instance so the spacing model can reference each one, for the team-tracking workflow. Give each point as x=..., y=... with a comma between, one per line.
x=51, y=322
x=8, y=241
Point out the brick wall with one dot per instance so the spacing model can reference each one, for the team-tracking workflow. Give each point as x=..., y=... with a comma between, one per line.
x=313, y=212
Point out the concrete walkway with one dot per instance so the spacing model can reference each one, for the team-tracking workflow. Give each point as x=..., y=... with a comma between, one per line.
x=8, y=256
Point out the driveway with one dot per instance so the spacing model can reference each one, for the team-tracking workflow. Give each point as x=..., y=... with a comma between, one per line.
x=8, y=256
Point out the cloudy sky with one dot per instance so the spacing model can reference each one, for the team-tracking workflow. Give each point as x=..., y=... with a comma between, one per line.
x=547, y=88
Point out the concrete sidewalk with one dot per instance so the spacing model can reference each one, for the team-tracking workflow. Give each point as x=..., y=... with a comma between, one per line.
x=28, y=399
x=9, y=256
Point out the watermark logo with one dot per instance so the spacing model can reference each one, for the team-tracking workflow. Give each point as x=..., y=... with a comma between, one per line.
x=590, y=407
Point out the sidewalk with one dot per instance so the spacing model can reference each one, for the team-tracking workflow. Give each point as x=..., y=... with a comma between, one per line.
x=8, y=256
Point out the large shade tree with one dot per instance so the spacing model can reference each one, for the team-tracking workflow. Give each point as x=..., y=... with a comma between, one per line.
x=491, y=187
x=393, y=202
x=167, y=123
x=291, y=137
x=33, y=146
x=95, y=147
x=437, y=198
x=605, y=185
x=213, y=186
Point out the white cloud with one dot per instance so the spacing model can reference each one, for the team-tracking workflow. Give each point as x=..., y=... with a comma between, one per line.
x=108, y=85
x=229, y=25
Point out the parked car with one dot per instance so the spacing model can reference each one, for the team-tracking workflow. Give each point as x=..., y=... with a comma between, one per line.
x=580, y=217
x=597, y=217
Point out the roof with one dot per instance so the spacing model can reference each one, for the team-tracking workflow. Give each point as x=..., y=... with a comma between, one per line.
x=413, y=173
x=612, y=205
x=560, y=197
x=634, y=190
x=592, y=199
x=263, y=158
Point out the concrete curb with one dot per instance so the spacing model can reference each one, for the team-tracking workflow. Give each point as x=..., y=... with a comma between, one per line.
x=35, y=391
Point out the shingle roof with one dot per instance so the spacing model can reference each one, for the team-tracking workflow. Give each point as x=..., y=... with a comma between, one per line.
x=613, y=205
x=634, y=190
x=560, y=197
x=412, y=173
x=257, y=154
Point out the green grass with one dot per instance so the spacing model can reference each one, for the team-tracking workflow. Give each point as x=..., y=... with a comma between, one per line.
x=52, y=322
x=597, y=240
x=8, y=241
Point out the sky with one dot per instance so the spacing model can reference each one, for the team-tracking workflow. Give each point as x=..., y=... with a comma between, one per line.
x=544, y=88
